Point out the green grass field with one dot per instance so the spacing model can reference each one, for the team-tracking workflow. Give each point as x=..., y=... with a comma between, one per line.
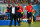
x=35, y=24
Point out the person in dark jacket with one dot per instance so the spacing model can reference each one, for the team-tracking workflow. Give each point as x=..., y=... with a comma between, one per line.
x=8, y=10
x=13, y=12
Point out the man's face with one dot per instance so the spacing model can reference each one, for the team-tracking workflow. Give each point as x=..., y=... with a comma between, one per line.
x=18, y=4
x=13, y=5
x=30, y=3
x=9, y=6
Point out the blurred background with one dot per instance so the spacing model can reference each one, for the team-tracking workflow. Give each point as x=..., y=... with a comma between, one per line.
x=5, y=20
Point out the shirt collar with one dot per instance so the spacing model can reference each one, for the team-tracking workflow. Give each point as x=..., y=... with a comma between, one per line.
x=13, y=7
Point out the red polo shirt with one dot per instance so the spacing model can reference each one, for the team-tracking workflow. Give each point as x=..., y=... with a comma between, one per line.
x=29, y=8
x=20, y=9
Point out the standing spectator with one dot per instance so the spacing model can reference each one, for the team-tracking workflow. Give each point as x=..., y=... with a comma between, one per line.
x=8, y=10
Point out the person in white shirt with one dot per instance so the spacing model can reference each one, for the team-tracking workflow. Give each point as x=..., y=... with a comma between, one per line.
x=13, y=14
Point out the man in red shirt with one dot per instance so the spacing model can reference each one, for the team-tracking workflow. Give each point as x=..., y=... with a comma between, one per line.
x=29, y=12
x=19, y=13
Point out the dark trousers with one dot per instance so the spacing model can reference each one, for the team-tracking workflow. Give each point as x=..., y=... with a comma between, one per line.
x=13, y=16
x=18, y=21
